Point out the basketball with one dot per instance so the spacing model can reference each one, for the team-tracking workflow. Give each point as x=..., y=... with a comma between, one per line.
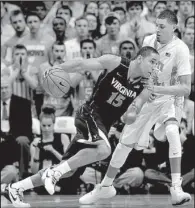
x=56, y=82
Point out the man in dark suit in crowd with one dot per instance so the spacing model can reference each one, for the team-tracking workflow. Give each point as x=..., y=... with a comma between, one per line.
x=16, y=127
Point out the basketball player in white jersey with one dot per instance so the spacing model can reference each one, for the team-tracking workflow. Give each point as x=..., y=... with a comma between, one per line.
x=172, y=83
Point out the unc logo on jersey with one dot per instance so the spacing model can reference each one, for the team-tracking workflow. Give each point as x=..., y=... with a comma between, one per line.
x=123, y=90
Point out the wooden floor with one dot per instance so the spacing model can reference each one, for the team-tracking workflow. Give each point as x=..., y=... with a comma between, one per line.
x=131, y=201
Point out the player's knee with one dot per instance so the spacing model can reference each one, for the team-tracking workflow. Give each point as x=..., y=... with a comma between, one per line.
x=120, y=155
x=103, y=151
x=137, y=176
x=172, y=133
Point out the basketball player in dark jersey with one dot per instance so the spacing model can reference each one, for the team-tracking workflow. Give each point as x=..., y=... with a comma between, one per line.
x=117, y=88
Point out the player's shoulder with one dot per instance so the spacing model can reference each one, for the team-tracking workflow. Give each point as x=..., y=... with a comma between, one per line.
x=149, y=39
x=109, y=61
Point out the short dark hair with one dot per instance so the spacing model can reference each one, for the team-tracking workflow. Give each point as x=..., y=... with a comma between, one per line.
x=65, y=7
x=39, y=4
x=60, y=19
x=29, y=14
x=19, y=47
x=119, y=9
x=87, y=41
x=124, y=42
x=15, y=13
x=134, y=3
x=58, y=43
x=159, y=2
x=188, y=19
x=146, y=51
x=169, y=15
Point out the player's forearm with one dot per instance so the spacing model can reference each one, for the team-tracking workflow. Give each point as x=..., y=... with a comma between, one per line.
x=57, y=154
x=179, y=90
x=72, y=66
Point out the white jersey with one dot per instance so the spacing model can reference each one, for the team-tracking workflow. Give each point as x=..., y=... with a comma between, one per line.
x=174, y=61
x=73, y=50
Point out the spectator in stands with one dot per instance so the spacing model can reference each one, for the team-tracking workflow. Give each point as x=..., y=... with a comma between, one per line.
x=120, y=11
x=91, y=7
x=149, y=16
x=188, y=113
x=159, y=7
x=7, y=30
x=66, y=13
x=64, y=106
x=189, y=22
x=137, y=27
x=172, y=5
x=48, y=149
x=188, y=38
x=122, y=4
x=128, y=48
x=103, y=11
x=16, y=126
x=40, y=9
x=185, y=9
x=73, y=45
x=110, y=42
x=36, y=43
x=85, y=87
x=94, y=27
x=59, y=28
x=18, y=23
x=188, y=167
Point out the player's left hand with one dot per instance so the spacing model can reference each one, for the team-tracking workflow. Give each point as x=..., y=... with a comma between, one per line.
x=48, y=148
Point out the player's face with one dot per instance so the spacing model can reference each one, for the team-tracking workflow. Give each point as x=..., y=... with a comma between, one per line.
x=190, y=23
x=82, y=27
x=135, y=11
x=33, y=23
x=127, y=48
x=164, y=31
x=185, y=7
x=19, y=53
x=149, y=5
x=149, y=63
x=189, y=36
x=18, y=23
x=87, y=48
x=41, y=12
x=65, y=14
x=59, y=25
x=6, y=90
x=159, y=8
x=92, y=8
x=47, y=125
x=113, y=28
x=59, y=52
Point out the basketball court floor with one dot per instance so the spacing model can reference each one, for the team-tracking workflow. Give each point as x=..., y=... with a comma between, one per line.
x=127, y=201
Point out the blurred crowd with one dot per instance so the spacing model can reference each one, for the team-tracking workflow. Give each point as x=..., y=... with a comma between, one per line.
x=37, y=128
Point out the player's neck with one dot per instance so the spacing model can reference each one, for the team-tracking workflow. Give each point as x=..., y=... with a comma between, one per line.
x=134, y=70
x=168, y=41
x=34, y=35
x=113, y=37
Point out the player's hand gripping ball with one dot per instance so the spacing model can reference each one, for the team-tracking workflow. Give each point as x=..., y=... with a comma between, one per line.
x=56, y=82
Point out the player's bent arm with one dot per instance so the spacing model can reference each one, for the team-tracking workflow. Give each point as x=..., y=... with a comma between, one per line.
x=108, y=62
x=182, y=89
x=134, y=109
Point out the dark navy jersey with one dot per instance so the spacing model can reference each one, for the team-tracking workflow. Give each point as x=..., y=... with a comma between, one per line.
x=113, y=92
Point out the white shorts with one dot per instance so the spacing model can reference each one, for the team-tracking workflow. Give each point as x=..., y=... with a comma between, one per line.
x=137, y=134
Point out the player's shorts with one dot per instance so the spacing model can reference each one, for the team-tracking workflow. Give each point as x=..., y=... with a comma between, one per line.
x=136, y=135
x=90, y=129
